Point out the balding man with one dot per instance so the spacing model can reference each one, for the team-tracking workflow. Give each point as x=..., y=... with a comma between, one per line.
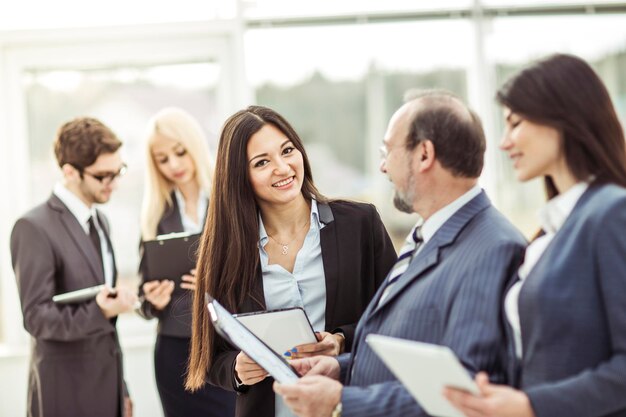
x=446, y=285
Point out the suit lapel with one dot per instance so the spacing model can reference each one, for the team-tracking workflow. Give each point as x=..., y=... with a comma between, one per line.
x=80, y=238
x=330, y=257
x=171, y=220
x=256, y=300
x=429, y=256
x=105, y=228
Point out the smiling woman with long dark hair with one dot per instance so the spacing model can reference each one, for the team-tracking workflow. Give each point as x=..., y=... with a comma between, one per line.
x=566, y=313
x=272, y=240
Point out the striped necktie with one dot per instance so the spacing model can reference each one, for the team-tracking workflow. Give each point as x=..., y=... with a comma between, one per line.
x=412, y=243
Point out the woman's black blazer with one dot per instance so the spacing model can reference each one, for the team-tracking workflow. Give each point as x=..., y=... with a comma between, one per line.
x=175, y=319
x=357, y=254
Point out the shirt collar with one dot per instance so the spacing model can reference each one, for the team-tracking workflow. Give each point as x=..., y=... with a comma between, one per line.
x=74, y=204
x=555, y=212
x=315, y=219
x=434, y=222
x=203, y=204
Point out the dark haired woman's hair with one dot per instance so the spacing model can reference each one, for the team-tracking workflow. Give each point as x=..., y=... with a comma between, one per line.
x=228, y=257
x=564, y=92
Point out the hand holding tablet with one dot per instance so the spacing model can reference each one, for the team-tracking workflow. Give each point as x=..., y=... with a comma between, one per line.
x=425, y=370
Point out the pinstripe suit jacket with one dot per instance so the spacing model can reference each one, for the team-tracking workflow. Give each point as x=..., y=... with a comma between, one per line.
x=450, y=295
x=573, y=314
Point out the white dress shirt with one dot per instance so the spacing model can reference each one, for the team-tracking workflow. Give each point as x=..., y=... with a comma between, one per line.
x=82, y=213
x=551, y=216
x=189, y=225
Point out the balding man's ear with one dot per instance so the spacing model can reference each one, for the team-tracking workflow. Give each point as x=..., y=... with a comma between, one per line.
x=426, y=155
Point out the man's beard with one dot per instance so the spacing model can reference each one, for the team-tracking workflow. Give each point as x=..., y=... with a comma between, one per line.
x=401, y=204
x=403, y=200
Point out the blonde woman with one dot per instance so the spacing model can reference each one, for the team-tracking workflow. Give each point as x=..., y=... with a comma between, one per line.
x=178, y=177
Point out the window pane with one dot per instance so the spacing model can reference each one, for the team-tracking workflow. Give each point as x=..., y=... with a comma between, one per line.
x=339, y=85
x=124, y=98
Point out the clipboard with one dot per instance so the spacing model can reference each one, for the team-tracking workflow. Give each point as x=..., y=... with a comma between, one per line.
x=238, y=335
x=77, y=296
x=280, y=329
x=170, y=256
x=424, y=369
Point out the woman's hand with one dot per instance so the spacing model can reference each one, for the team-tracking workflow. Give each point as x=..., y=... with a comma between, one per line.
x=248, y=371
x=158, y=293
x=494, y=401
x=328, y=344
x=189, y=280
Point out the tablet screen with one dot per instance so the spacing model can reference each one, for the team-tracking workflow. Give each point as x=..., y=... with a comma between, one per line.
x=280, y=329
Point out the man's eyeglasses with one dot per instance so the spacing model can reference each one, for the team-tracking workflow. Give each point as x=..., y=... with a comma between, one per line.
x=106, y=177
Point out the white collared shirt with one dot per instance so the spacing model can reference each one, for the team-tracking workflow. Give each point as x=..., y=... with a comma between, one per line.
x=189, y=225
x=82, y=213
x=552, y=216
x=441, y=216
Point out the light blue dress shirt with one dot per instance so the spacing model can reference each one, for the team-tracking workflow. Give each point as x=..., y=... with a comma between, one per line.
x=305, y=287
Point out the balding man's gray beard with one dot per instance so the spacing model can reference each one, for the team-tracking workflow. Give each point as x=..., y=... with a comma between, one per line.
x=401, y=204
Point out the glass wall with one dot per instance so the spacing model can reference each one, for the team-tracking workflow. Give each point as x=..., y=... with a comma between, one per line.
x=124, y=98
x=339, y=86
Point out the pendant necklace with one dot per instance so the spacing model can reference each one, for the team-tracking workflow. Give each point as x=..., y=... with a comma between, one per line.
x=285, y=246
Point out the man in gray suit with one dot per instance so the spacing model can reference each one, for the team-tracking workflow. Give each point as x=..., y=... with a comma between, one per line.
x=63, y=245
x=445, y=287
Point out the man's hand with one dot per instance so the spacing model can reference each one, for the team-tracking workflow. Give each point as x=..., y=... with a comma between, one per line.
x=327, y=344
x=113, y=302
x=248, y=371
x=317, y=365
x=189, y=280
x=494, y=401
x=158, y=293
x=311, y=396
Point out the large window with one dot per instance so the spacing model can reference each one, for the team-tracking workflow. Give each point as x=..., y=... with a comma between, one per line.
x=121, y=76
x=339, y=86
x=123, y=98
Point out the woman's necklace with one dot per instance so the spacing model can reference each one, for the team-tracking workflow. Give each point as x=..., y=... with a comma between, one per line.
x=285, y=246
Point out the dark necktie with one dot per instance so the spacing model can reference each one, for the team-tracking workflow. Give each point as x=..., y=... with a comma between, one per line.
x=95, y=239
x=413, y=242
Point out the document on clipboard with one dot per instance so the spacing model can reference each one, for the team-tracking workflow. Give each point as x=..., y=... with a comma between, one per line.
x=280, y=329
x=170, y=256
x=424, y=369
x=238, y=335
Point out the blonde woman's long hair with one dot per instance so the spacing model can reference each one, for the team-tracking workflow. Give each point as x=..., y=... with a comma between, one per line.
x=179, y=125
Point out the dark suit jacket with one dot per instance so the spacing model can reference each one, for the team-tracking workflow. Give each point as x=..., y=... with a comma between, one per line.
x=175, y=318
x=573, y=313
x=76, y=361
x=449, y=295
x=357, y=254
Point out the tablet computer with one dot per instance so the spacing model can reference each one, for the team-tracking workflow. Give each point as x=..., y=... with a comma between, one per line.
x=170, y=256
x=424, y=369
x=77, y=296
x=280, y=329
x=239, y=336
